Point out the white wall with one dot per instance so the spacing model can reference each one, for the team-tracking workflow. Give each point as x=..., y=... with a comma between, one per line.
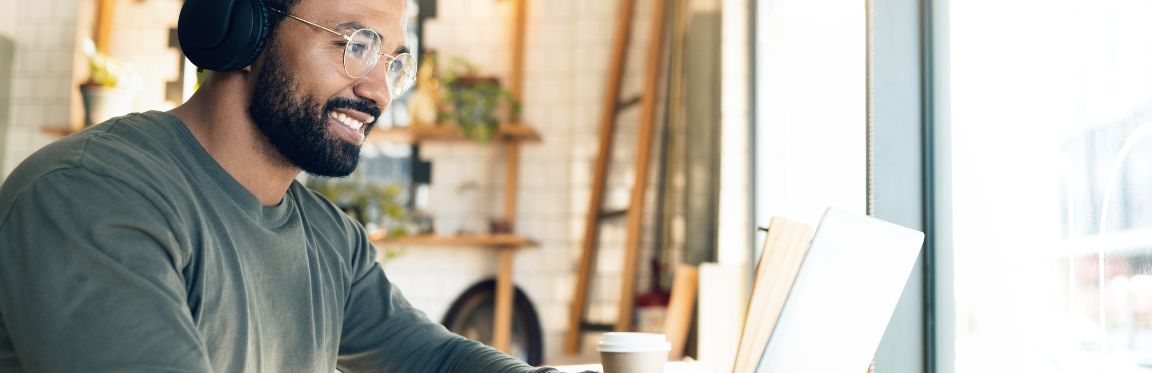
x=734, y=230
x=49, y=64
x=7, y=52
x=811, y=108
x=567, y=49
x=141, y=38
x=7, y=17
x=42, y=85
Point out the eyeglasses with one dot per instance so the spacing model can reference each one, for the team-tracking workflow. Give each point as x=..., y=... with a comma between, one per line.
x=362, y=54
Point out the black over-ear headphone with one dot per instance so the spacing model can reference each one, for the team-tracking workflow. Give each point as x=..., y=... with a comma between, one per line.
x=223, y=35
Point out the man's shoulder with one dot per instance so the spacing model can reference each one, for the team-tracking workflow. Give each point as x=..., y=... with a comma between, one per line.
x=121, y=139
x=150, y=136
x=130, y=148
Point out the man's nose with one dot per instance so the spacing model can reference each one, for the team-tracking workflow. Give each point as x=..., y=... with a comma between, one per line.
x=374, y=87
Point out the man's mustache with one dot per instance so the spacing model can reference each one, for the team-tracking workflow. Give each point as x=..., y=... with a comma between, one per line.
x=363, y=106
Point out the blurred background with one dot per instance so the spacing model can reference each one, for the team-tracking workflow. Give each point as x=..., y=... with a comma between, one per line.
x=1015, y=133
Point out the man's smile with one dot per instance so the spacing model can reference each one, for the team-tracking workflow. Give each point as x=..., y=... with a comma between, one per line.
x=352, y=119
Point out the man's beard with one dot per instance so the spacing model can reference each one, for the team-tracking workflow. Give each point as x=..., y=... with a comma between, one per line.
x=296, y=124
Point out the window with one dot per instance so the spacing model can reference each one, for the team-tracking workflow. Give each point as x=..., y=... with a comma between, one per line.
x=1051, y=185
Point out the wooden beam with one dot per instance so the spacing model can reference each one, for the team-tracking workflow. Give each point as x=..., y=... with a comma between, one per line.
x=591, y=217
x=511, y=182
x=519, y=24
x=502, y=325
x=643, y=158
x=679, y=318
x=102, y=27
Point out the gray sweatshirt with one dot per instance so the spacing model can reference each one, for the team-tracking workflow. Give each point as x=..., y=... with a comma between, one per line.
x=127, y=247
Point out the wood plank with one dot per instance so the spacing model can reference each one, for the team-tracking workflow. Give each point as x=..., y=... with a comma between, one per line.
x=502, y=325
x=785, y=246
x=643, y=158
x=519, y=24
x=679, y=318
x=516, y=86
x=486, y=240
x=450, y=133
x=102, y=28
x=511, y=182
x=61, y=131
x=607, y=125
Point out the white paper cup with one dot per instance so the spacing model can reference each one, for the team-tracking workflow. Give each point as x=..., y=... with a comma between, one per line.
x=622, y=352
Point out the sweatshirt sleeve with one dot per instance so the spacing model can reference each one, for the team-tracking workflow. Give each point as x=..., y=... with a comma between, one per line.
x=90, y=281
x=383, y=332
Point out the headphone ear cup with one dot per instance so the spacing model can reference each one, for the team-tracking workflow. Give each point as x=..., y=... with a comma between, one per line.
x=223, y=35
x=264, y=31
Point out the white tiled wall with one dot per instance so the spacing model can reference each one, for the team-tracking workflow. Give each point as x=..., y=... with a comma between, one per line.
x=48, y=67
x=7, y=17
x=567, y=49
x=42, y=86
x=141, y=37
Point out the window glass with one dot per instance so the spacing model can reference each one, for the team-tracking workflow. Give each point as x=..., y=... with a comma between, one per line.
x=1051, y=140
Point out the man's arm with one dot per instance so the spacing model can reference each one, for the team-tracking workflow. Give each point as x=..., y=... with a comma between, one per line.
x=383, y=332
x=90, y=280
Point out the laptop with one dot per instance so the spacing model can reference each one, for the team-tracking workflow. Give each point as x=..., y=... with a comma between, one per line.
x=843, y=295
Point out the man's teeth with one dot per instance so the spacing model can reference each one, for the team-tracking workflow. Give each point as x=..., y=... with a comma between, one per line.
x=347, y=121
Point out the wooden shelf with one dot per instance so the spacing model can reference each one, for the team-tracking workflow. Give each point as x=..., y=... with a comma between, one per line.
x=486, y=240
x=59, y=131
x=450, y=132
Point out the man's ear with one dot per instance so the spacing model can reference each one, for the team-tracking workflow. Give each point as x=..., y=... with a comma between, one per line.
x=256, y=63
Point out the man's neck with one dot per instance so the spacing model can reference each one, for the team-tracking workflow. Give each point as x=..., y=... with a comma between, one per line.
x=217, y=116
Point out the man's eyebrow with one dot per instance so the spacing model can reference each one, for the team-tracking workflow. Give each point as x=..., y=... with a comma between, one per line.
x=357, y=25
x=350, y=26
x=353, y=26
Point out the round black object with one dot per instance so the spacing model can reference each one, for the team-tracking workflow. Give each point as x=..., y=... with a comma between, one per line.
x=473, y=312
x=223, y=35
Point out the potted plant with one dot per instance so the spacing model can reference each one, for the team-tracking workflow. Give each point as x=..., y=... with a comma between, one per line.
x=477, y=102
x=110, y=88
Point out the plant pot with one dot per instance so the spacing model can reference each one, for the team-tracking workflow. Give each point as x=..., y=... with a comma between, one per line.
x=103, y=103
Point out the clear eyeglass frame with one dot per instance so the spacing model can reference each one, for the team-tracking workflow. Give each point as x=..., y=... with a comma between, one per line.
x=362, y=52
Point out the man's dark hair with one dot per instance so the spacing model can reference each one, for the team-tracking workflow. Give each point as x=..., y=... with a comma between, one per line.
x=275, y=17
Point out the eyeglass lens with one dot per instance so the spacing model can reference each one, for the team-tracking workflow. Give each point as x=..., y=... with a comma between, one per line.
x=401, y=73
x=362, y=53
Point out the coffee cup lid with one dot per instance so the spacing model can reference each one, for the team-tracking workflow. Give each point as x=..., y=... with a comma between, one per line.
x=633, y=342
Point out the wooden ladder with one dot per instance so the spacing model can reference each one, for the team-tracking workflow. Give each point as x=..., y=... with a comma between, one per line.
x=613, y=105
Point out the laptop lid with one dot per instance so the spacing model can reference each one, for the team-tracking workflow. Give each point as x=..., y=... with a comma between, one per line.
x=843, y=295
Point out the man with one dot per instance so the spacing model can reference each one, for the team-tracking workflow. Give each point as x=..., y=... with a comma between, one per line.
x=180, y=242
